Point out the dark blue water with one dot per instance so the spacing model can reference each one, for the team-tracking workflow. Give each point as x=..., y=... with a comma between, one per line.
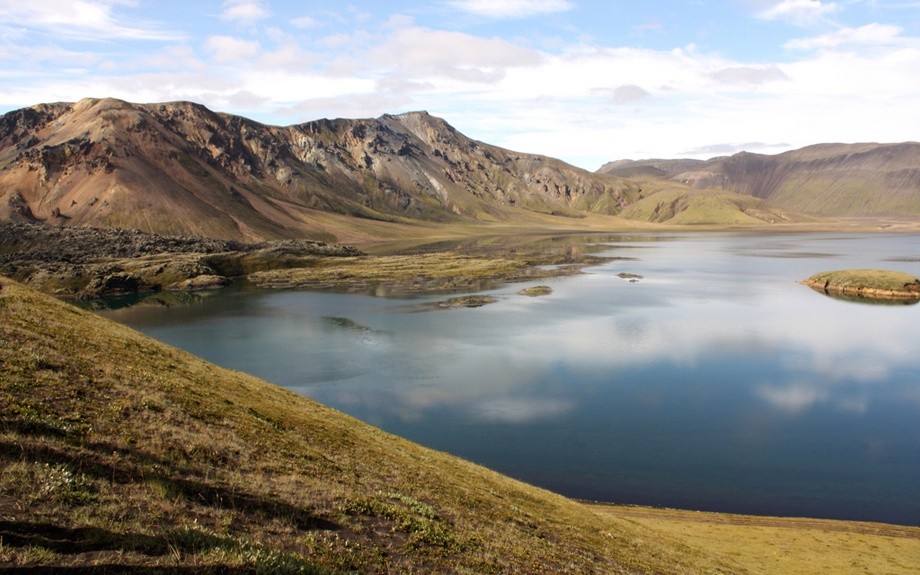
x=715, y=382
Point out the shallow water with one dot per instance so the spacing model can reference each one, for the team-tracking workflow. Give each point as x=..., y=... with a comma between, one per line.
x=715, y=382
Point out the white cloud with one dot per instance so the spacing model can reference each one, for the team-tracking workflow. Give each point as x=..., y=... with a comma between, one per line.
x=421, y=53
x=243, y=11
x=225, y=49
x=798, y=11
x=506, y=9
x=748, y=75
x=792, y=398
x=304, y=22
x=630, y=94
x=868, y=35
x=176, y=57
x=521, y=410
x=80, y=19
x=289, y=56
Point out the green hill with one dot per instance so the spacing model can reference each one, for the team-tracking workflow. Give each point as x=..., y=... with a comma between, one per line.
x=707, y=207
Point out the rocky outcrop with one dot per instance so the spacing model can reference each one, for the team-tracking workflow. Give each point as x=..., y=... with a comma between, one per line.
x=97, y=262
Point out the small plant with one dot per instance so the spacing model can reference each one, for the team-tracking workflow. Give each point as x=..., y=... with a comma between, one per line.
x=58, y=482
x=426, y=529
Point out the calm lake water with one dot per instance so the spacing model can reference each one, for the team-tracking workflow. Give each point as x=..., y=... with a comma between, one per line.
x=714, y=382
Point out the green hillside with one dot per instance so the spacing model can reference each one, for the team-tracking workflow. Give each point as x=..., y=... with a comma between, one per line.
x=119, y=452
x=706, y=207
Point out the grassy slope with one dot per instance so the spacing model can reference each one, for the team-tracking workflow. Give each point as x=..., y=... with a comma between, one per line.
x=776, y=546
x=870, y=283
x=706, y=207
x=117, y=450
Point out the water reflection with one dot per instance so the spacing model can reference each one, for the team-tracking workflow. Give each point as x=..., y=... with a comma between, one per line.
x=716, y=382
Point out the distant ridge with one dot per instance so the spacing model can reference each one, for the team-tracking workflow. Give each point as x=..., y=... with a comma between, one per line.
x=866, y=179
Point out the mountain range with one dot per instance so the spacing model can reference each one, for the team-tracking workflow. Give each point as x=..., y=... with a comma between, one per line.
x=182, y=169
x=823, y=180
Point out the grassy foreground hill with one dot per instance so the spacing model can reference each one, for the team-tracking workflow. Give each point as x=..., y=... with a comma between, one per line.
x=121, y=454
x=117, y=452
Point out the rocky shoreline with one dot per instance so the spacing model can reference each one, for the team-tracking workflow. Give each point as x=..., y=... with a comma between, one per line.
x=867, y=284
x=87, y=262
x=93, y=263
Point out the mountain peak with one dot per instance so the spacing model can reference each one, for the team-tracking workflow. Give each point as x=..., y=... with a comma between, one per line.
x=179, y=168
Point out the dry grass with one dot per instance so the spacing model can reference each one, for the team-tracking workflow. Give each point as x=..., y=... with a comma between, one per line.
x=867, y=283
x=452, y=265
x=777, y=546
x=536, y=291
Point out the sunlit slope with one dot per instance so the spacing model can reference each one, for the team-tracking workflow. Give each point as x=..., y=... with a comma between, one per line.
x=118, y=450
x=181, y=169
x=825, y=179
x=707, y=207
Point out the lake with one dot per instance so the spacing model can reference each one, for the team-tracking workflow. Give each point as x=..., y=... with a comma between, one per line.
x=714, y=381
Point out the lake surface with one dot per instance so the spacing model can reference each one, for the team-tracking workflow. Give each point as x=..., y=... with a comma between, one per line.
x=714, y=382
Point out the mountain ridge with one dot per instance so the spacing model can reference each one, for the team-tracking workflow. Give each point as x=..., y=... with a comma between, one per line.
x=181, y=168
x=828, y=179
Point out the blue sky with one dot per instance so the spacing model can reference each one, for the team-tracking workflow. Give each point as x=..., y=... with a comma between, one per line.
x=585, y=81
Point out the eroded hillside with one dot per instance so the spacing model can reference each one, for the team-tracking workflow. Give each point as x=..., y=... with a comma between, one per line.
x=119, y=453
x=181, y=169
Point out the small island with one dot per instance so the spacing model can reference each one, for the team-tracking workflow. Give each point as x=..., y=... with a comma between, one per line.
x=875, y=284
x=536, y=291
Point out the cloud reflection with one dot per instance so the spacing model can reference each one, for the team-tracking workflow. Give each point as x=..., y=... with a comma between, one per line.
x=792, y=398
x=522, y=409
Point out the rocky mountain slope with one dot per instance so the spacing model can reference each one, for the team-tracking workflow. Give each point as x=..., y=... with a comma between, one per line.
x=181, y=169
x=824, y=179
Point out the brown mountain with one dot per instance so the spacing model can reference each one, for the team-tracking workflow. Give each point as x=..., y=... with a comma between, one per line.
x=181, y=169
x=825, y=179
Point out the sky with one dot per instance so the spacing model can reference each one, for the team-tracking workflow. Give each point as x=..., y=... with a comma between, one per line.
x=587, y=81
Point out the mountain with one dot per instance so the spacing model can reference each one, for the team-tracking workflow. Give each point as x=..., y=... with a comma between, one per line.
x=179, y=168
x=824, y=180
x=652, y=167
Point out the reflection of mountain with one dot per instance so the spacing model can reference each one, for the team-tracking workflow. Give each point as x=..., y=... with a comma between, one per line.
x=824, y=179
